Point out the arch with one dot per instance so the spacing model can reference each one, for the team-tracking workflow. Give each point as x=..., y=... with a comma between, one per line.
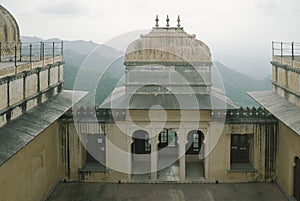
x=167, y=138
x=195, y=140
x=140, y=143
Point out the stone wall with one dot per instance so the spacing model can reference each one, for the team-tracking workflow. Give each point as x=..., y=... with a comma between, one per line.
x=34, y=170
x=288, y=149
x=257, y=123
x=72, y=151
x=23, y=91
x=262, y=139
x=286, y=81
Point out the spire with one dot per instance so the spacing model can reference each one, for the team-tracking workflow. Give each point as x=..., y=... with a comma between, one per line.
x=178, y=20
x=156, y=20
x=168, y=21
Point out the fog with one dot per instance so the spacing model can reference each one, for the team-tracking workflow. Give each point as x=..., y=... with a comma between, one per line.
x=238, y=32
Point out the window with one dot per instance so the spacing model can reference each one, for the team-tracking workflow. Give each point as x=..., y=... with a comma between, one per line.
x=167, y=138
x=171, y=138
x=164, y=136
x=147, y=146
x=195, y=140
x=239, y=149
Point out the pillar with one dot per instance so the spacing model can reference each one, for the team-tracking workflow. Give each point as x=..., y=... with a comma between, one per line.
x=129, y=156
x=206, y=149
x=181, y=154
x=154, y=157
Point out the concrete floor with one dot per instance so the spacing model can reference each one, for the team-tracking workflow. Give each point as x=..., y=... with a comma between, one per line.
x=194, y=172
x=170, y=173
x=166, y=192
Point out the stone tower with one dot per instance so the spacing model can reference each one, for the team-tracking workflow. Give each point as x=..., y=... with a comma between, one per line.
x=168, y=60
x=9, y=32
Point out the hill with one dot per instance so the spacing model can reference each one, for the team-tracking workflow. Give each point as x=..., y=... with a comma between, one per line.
x=99, y=68
x=236, y=84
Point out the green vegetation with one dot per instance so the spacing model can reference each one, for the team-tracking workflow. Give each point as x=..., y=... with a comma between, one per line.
x=79, y=75
x=99, y=69
x=236, y=84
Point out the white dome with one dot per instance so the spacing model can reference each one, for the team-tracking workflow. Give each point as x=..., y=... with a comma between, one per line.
x=167, y=45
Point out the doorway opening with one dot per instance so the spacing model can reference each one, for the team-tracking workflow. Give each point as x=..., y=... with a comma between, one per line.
x=194, y=155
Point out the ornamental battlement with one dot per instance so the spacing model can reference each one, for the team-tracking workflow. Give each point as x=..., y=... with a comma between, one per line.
x=241, y=115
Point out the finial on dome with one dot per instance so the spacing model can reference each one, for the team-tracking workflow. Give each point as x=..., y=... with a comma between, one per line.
x=156, y=20
x=168, y=21
x=178, y=20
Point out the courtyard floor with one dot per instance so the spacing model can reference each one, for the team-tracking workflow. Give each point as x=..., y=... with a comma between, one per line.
x=165, y=192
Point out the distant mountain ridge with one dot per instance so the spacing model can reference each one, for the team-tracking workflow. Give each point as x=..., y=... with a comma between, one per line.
x=79, y=46
x=236, y=84
x=88, y=62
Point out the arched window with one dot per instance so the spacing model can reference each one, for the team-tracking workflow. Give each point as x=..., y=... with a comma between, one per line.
x=167, y=138
x=195, y=141
x=140, y=143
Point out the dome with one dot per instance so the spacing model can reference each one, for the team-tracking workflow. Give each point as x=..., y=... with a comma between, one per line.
x=167, y=44
x=9, y=29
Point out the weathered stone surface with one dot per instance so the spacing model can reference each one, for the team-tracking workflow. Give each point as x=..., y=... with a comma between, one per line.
x=168, y=44
x=3, y=96
x=43, y=80
x=53, y=75
x=168, y=58
x=286, y=79
x=31, y=85
x=9, y=32
x=16, y=91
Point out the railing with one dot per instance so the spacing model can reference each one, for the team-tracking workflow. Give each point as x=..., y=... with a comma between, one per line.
x=29, y=52
x=288, y=51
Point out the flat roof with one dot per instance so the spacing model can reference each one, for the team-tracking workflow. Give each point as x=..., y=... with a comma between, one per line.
x=280, y=107
x=19, y=132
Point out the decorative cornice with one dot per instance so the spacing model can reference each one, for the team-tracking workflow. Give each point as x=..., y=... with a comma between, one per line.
x=166, y=63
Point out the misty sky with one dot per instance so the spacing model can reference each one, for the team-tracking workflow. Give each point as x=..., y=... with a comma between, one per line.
x=238, y=32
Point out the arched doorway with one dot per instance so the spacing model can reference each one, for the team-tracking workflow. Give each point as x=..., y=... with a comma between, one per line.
x=141, y=149
x=195, y=140
x=194, y=155
x=168, y=155
x=140, y=143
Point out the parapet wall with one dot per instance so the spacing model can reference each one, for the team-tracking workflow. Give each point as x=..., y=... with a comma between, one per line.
x=22, y=91
x=286, y=70
x=286, y=82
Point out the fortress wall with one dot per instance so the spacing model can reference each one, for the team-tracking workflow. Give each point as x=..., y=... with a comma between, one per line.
x=286, y=81
x=23, y=91
x=34, y=170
